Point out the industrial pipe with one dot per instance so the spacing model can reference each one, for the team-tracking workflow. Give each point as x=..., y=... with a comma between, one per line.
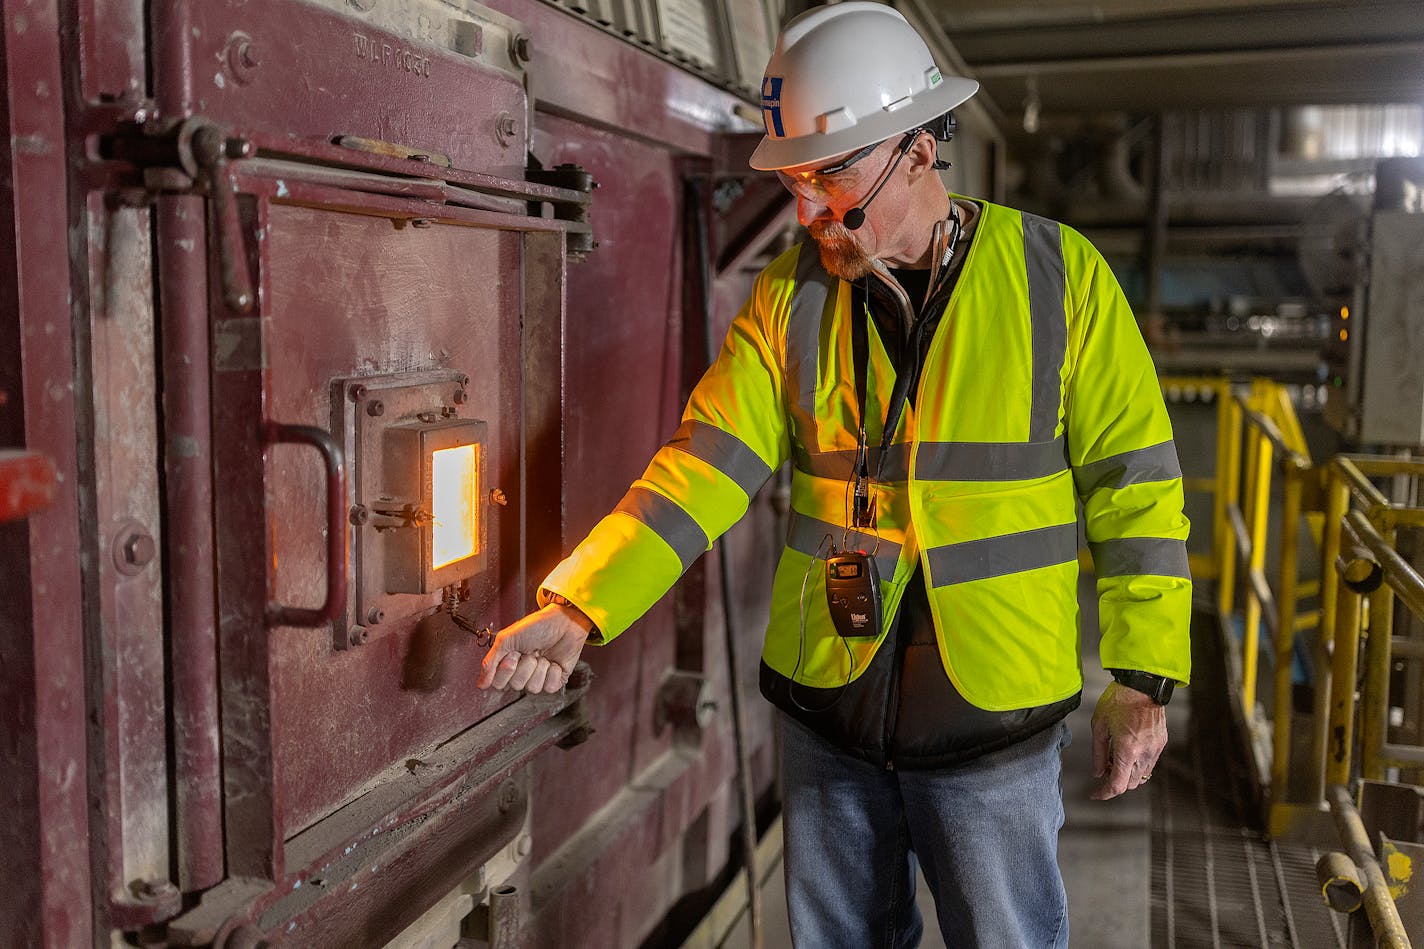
x=1379, y=905
x=1340, y=882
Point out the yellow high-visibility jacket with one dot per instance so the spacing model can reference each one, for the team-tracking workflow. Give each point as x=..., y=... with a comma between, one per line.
x=1037, y=392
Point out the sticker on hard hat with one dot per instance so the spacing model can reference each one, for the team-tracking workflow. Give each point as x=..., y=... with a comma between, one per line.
x=771, y=106
x=935, y=79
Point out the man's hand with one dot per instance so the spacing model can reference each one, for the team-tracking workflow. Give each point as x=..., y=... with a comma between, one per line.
x=1129, y=733
x=536, y=654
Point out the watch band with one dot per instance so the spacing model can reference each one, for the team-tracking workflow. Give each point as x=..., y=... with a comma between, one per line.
x=1157, y=688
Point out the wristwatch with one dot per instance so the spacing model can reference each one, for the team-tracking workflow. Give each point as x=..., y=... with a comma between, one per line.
x=1157, y=688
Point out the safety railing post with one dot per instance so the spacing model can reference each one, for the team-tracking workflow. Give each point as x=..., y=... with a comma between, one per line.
x=1259, y=521
x=1374, y=696
x=1341, y=730
x=1225, y=472
x=1337, y=503
x=1229, y=489
x=1285, y=632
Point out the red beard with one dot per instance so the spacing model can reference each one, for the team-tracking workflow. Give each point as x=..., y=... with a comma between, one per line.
x=840, y=254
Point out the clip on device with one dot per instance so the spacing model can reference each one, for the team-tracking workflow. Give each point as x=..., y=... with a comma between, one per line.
x=853, y=593
x=852, y=580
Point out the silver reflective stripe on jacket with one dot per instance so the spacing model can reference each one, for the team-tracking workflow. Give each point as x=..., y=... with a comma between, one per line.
x=997, y=556
x=1043, y=256
x=814, y=537
x=723, y=451
x=989, y=461
x=1140, y=466
x=1138, y=556
x=668, y=521
x=815, y=290
x=840, y=465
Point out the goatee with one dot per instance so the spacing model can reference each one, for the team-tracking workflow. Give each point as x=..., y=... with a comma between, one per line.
x=840, y=254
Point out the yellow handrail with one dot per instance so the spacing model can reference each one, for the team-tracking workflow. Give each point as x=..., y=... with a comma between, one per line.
x=1362, y=577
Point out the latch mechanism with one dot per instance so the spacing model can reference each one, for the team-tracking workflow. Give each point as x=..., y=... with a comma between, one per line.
x=194, y=156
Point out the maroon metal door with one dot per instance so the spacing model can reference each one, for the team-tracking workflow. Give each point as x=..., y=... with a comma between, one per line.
x=294, y=228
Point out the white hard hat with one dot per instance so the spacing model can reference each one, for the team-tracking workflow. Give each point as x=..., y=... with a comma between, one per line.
x=845, y=76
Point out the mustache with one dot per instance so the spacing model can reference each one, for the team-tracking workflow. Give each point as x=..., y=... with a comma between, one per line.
x=831, y=231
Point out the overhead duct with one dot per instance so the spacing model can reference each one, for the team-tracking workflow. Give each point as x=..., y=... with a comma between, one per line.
x=1115, y=179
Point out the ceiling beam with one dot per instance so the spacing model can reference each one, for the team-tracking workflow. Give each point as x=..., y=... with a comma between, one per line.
x=1341, y=25
x=961, y=16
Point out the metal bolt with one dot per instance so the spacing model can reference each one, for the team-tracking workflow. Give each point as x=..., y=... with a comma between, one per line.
x=139, y=549
x=357, y=636
x=365, y=634
x=375, y=615
x=460, y=397
x=360, y=514
x=421, y=222
x=242, y=58
x=357, y=392
x=498, y=497
x=239, y=148
x=521, y=48
x=505, y=128
x=426, y=417
x=376, y=409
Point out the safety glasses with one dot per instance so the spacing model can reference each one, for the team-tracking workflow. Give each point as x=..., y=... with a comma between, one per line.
x=826, y=185
x=830, y=184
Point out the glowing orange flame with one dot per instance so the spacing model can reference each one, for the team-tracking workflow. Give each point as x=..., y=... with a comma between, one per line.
x=454, y=494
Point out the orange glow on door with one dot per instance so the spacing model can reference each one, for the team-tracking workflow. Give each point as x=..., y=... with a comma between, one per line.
x=454, y=494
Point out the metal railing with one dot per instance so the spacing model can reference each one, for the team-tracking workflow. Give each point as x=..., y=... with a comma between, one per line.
x=1259, y=443
x=1367, y=574
x=1368, y=536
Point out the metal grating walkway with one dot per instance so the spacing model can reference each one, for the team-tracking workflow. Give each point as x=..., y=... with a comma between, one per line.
x=1215, y=881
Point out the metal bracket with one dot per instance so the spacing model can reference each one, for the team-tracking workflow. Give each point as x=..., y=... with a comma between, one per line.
x=574, y=178
x=194, y=156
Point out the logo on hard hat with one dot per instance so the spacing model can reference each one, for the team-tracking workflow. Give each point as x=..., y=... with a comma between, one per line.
x=771, y=106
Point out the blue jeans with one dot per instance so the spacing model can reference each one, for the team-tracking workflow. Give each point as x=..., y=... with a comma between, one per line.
x=985, y=833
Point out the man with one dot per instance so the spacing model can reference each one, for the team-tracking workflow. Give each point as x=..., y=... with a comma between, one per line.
x=996, y=350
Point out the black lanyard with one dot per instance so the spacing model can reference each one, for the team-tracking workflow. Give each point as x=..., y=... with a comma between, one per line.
x=863, y=508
